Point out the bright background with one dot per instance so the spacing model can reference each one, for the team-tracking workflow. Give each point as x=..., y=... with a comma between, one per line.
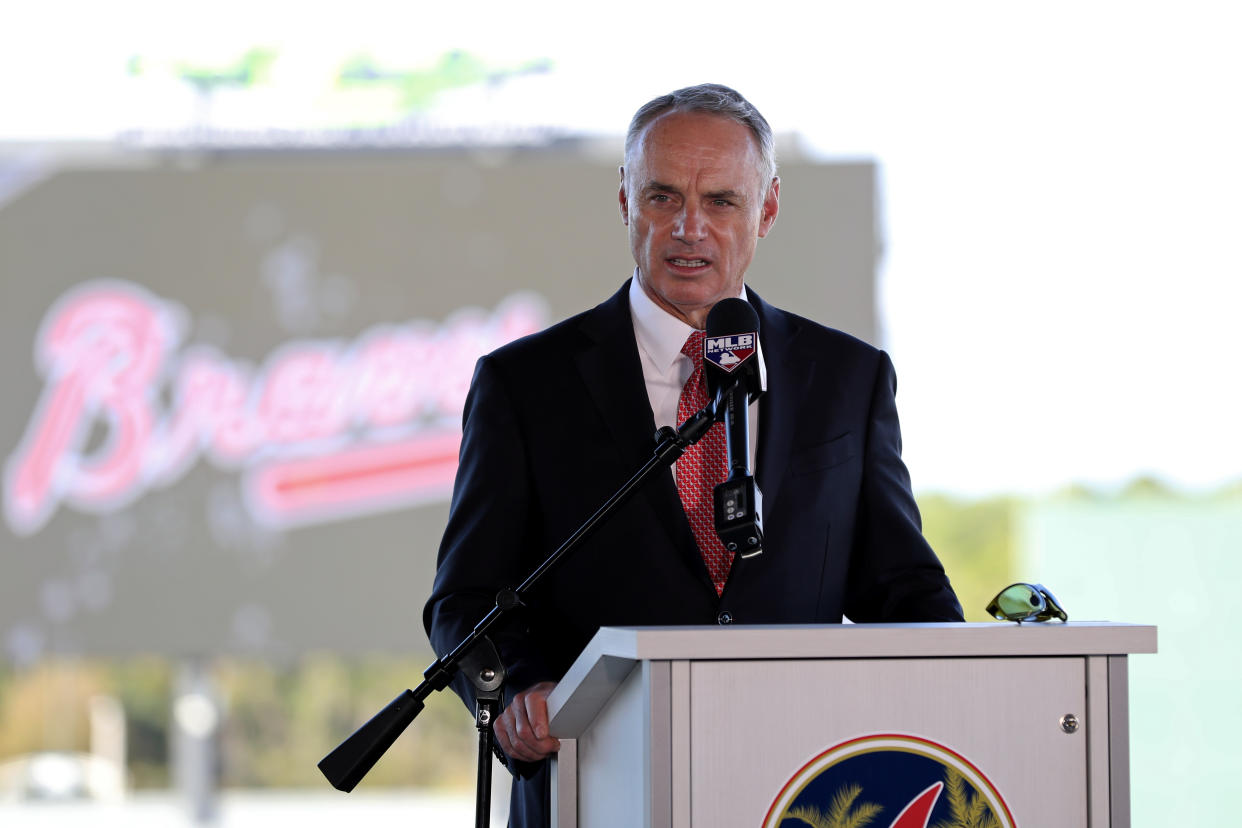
x=1061, y=267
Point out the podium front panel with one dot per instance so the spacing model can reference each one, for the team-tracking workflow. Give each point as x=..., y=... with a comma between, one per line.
x=754, y=724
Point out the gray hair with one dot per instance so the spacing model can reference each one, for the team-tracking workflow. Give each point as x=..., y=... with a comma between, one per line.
x=714, y=99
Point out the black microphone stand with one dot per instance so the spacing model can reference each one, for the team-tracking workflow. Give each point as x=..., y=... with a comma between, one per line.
x=353, y=758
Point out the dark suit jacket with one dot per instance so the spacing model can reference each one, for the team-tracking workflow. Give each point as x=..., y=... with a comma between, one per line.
x=557, y=421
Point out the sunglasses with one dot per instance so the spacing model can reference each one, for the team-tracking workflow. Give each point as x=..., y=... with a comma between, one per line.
x=1026, y=602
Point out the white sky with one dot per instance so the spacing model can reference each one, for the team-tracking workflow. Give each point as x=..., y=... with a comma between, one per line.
x=1062, y=184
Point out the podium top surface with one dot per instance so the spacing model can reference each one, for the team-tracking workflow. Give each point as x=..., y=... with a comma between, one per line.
x=872, y=641
x=613, y=650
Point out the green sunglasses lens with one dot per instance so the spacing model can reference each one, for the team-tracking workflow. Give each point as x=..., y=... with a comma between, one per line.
x=1020, y=601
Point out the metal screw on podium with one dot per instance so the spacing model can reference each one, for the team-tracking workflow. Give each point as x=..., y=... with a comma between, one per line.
x=1069, y=723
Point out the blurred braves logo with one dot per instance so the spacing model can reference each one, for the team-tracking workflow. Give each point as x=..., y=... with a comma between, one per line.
x=324, y=429
x=889, y=781
x=728, y=352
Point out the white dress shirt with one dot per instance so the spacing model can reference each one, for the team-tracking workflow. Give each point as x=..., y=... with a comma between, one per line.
x=660, y=336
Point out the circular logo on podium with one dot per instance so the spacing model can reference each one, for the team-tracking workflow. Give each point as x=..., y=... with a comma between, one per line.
x=889, y=781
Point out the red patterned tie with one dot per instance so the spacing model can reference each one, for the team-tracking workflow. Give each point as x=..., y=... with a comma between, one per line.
x=702, y=466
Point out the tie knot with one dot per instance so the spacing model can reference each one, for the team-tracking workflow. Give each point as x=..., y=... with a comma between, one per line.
x=694, y=346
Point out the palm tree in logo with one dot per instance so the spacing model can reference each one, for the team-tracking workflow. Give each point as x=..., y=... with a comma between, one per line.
x=965, y=811
x=841, y=812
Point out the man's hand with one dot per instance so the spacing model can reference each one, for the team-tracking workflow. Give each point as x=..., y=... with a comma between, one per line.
x=522, y=729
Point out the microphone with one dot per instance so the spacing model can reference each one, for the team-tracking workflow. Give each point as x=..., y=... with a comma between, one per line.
x=731, y=370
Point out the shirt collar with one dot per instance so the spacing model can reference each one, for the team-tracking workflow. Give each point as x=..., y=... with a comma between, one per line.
x=660, y=335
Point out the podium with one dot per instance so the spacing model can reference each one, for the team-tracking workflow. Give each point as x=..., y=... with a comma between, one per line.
x=896, y=725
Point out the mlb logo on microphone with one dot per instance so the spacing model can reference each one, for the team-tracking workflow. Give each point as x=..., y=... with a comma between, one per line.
x=728, y=352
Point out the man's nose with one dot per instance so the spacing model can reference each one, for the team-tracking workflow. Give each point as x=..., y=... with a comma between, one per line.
x=691, y=225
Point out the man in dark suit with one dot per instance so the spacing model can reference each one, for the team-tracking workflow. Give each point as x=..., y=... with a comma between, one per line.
x=555, y=422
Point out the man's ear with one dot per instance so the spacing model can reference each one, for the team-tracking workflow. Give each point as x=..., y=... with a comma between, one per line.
x=622, y=199
x=771, y=206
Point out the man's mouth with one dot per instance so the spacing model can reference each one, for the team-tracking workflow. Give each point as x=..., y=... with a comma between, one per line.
x=688, y=262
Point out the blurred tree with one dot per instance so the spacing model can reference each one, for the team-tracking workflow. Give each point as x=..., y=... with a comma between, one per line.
x=45, y=708
x=974, y=540
x=281, y=721
x=144, y=687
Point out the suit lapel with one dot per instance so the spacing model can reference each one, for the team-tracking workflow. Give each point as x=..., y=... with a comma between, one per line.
x=790, y=378
x=610, y=369
x=612, y=373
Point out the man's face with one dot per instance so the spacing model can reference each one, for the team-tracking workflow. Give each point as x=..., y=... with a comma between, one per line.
x=696, y=205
